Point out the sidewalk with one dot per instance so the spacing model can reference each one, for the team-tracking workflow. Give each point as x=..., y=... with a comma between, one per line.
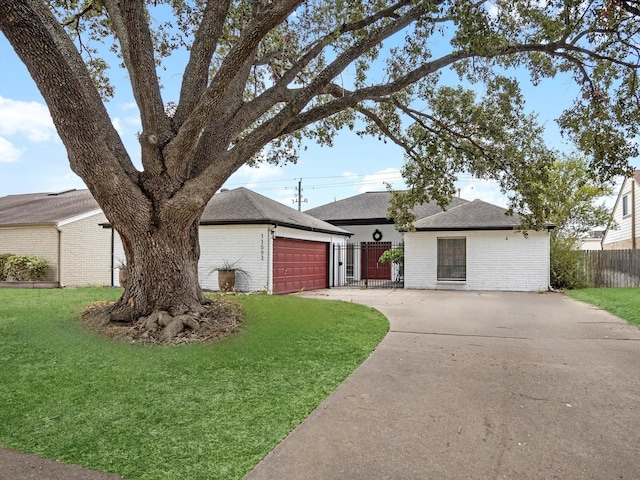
x=21, y=466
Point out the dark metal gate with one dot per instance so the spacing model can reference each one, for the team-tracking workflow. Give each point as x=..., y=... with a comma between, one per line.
x=369, y=265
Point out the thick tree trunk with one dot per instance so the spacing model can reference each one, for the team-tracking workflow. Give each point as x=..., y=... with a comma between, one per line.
x=162, y=267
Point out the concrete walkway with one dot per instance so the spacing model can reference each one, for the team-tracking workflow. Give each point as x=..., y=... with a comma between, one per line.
x=478, y=386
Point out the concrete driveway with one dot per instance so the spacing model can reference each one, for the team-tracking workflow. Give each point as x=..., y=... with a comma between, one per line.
x=481, y=386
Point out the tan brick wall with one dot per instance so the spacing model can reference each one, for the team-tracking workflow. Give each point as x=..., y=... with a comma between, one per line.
x=41, y=241
x=86, y=252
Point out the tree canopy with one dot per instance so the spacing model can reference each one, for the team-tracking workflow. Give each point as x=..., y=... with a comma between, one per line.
x=261, y=75
x=574, y=200
x=268, y=73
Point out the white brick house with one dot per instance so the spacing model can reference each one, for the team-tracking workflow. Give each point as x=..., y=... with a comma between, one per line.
x=470, y=246
x=63, y=228
x=625, y=232
x=280, y=249
x=475, y=246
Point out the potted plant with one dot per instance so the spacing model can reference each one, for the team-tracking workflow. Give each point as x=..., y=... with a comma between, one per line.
x=227, y=273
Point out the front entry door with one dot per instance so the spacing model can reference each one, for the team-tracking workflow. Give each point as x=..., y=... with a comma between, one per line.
x=372, y=269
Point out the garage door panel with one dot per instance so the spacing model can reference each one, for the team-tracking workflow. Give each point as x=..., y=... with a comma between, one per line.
x=299, y=264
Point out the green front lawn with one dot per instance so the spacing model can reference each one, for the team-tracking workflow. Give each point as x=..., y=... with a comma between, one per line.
x=199, y=411
x=622, y=302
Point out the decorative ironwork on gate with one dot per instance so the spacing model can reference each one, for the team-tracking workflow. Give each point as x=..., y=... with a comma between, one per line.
x=368, y=265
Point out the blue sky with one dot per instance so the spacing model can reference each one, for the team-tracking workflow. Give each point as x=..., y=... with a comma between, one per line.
x=33, y=159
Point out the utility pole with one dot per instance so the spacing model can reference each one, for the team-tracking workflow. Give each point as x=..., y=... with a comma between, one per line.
x=299, y=200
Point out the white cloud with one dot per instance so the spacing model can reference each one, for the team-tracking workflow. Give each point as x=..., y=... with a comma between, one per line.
x=250, y=176
x=376, y=182
x=8, y=152
x=126, y=125
x=117, y=124
x=60, y=182
x=485, y=190
x=31, y=119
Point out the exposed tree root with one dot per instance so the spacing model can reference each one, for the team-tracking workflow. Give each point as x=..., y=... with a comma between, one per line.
x=217, y=319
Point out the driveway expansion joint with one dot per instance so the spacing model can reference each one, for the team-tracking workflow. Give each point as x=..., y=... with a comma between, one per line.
x=410, y=332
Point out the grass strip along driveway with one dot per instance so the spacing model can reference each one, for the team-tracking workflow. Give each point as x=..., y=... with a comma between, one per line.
x=621, y=302
x=197, y=411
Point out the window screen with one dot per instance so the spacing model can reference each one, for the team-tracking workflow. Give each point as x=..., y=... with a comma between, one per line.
x=452, y=259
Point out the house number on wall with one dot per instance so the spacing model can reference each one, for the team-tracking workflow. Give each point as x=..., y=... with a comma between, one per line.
x=262, y=246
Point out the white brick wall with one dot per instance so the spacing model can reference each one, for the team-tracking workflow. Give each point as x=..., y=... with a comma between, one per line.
x=248, y=245
x=41, y=241
x=364, y=233
x=86, y=252
x=496, y=260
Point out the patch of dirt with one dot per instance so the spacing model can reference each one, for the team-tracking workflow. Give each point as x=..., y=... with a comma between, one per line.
x=222, y=317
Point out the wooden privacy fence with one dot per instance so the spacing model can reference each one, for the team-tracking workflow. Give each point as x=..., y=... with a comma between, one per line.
x=611, y=268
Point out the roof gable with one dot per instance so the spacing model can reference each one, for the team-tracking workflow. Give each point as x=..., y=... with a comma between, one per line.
x=371, y=207
x=45, y=208
x=475, y=215
x=243, y=206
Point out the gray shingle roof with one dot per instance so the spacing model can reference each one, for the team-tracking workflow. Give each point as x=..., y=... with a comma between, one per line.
x=239, y=206
x=475, y=215
x=371, y=207
x=45, y=208
x=243, y=206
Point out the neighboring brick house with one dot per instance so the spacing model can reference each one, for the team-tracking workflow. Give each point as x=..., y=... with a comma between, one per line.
x=476, y=246
x=281, y=249
x=625, y=233
x=63, y=228
x=471, y=245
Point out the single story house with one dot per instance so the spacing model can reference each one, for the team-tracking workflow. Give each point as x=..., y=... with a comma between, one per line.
x=625, y=232
x=476, y=246
x=280, y=249
x=366, y=217
x=63, y=228
x=470, y=245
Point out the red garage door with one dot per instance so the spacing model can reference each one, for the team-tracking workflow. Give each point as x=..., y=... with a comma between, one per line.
x=299, y=264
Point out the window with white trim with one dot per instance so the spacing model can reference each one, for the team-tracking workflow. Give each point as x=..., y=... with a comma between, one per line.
x=625, y=206
x=452, y=259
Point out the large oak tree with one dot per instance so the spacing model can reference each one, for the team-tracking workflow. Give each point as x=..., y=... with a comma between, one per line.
x=263, y=74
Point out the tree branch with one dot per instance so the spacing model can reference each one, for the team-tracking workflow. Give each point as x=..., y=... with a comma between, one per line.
x=187, y=137
x=76, y=18
x=129, y=21
x=95, y=150
x=278, y=125
x=196, y=74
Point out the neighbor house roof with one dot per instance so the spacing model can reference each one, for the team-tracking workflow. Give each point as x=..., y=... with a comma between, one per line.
x=475, y=215
x=243, y=206
x=45, y=208
x=371, y=208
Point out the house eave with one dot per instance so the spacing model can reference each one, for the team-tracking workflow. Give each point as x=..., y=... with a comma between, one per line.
x=476, y=229
x=23, y=225
x=275, y=224
x=360, y=221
